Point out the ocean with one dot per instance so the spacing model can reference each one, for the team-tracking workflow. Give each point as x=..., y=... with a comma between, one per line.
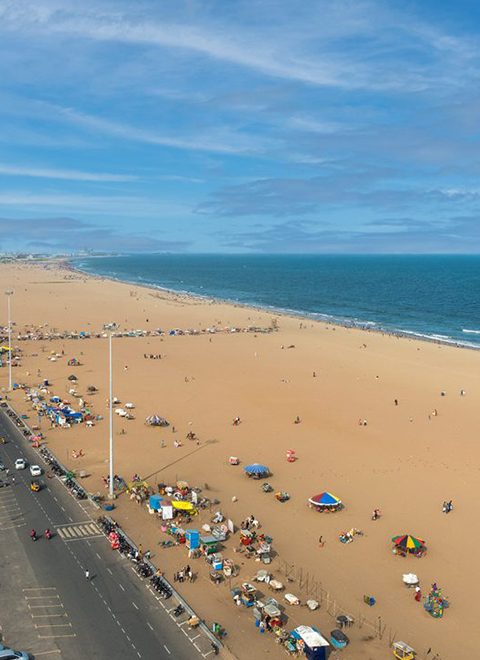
x=433, y=297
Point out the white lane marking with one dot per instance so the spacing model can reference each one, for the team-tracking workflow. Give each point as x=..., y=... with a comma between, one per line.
x=47, y=652
x=109, y=571
x=167, y=649
x=121, y=586
x=135, y=606
x=149, y=625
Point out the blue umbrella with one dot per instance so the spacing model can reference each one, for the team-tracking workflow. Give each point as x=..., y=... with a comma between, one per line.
x=256, y=468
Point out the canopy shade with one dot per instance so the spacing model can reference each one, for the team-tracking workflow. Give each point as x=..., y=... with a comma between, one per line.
x=325, y=499
x=256, y=468
x=407, y=542
x=182, y=506
x=156, y=420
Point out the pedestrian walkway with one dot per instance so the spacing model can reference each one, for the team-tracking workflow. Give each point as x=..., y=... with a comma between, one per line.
x=79, y=531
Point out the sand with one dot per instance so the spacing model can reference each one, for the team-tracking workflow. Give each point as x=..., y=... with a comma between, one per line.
x=405, y=461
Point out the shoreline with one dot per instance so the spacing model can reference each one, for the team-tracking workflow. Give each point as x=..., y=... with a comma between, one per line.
x=420, y=401
x=365, y=326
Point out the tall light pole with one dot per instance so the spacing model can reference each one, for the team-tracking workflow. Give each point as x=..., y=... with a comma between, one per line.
x=9, y=294
x=111, y=419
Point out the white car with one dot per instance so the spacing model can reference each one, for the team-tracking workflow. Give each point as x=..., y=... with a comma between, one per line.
x=35, y=470
x=20, y=464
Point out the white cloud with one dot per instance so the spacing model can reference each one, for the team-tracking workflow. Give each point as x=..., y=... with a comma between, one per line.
x=303, y=50
x=124, y=205
x=67, y=175
x=230, y=143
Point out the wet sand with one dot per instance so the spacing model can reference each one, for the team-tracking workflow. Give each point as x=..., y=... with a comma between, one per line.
x=405, y=461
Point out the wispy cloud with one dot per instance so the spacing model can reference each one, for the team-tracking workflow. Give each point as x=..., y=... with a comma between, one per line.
x=120, y=205
x=66, y=175
x=265, y=49
x=229, y=142
x=58, y=233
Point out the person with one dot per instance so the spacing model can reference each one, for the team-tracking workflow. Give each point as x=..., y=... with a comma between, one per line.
x=321, y=542
x=87, y=574
x=449, y=506
x=376, y=514
x=297, y=420
x=418, y=593
x=396, y=402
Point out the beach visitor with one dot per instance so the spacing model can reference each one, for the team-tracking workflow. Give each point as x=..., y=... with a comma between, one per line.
x=395, y=402
x=418, y=593
x=321, y=542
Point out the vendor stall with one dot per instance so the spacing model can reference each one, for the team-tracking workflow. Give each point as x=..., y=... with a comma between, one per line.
x=309, y=641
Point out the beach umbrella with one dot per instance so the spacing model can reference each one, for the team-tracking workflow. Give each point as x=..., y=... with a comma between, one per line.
x=72, y=377
x=256, y=468
x=325, y=499
x=407, y=542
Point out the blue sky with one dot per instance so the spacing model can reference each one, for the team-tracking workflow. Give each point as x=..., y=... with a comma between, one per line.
x=239, y=126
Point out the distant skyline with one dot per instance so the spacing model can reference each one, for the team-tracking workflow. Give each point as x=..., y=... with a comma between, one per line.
x=267, y=126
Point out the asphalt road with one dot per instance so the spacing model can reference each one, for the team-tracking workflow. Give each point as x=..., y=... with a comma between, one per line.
x=47, y=606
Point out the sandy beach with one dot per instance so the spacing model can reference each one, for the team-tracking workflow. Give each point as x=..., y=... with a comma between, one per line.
x=405, y=461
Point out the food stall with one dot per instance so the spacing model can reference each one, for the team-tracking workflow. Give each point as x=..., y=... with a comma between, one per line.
x=310, y=642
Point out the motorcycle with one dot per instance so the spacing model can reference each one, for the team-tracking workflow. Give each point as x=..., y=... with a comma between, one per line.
x=33, y=535
x=48, y=534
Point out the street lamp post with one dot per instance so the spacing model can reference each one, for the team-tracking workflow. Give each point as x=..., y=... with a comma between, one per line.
x=111, y=419
x=9, y=294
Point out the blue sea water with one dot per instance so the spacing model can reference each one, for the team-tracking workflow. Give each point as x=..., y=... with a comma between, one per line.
x=431, y=296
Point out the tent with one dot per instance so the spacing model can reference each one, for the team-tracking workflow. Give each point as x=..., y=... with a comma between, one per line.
x=156, y=420
x=257, y=470
x=325, y=499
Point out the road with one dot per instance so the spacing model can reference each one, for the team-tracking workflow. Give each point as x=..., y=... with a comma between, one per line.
x=47, y=606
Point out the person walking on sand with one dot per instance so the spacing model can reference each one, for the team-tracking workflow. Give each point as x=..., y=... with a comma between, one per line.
x=321, y=542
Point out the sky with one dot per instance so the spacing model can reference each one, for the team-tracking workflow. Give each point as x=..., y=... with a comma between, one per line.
x=240, y=126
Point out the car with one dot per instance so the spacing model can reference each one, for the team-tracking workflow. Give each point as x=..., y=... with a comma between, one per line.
x=35, y=470
x=20, y=464
x=2, y=466
x=10, y=654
